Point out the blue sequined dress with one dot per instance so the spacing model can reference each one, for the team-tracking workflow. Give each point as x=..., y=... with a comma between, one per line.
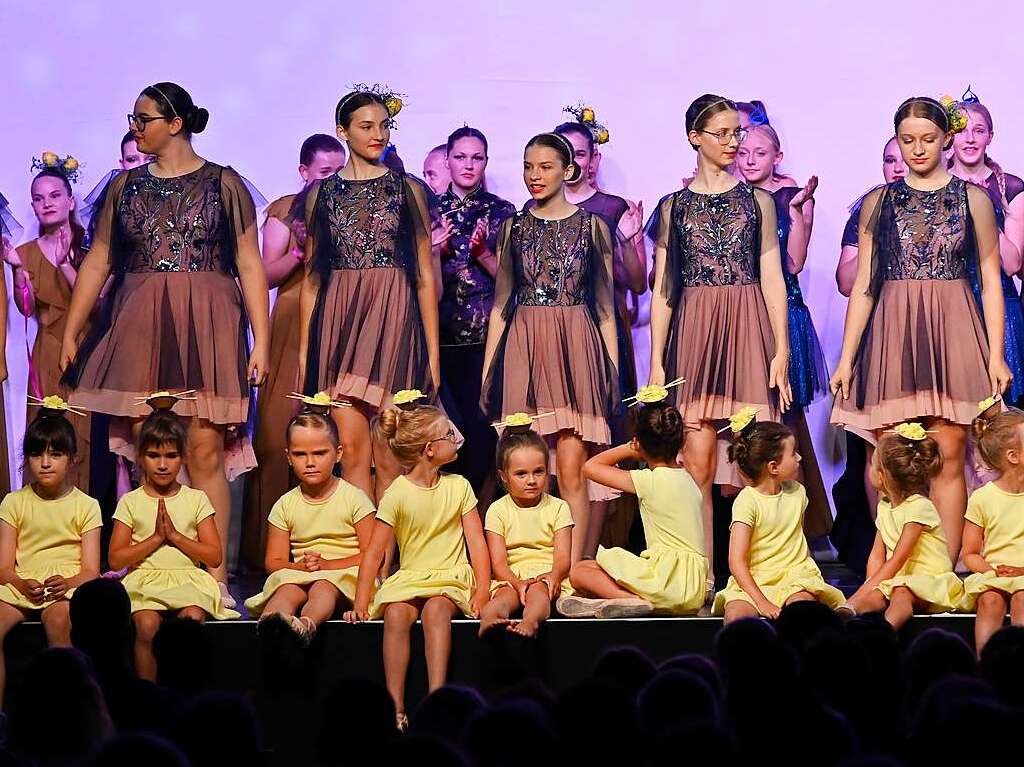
x=808, y=375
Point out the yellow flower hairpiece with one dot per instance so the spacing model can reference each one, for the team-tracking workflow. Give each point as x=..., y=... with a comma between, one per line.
x=519, y=421
x=321, y=401
x=652, y=393
x=51, y=161
x=955, y=114
x=586, y=115
x=740, y=420
x=393, y=105
x=987, y=404
x=49, y=158
x=407, y=399
x=53, y=403
x=165, y=400
x=912, y=430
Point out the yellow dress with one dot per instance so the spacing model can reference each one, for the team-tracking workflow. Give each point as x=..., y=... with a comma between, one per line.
x=49, y=538
x=1001, y=515
x=529, y=535
x=168, y=579
x=325, y=527
x=671, y=572
x=779, y=559
x=431, y=546
x=928, y=572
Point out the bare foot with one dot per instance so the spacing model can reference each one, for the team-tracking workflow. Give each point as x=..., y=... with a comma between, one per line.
x=489, y=624
x=524, y=628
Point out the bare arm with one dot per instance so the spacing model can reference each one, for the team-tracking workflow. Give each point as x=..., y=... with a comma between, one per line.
x=846, y=269
x=364, y=531
x=773, y=289
x=904, y=548
x=604, y=470
x=123, y=553
x=91, y=277
x=381, y=540
x=280, y=260
x=427, y=289
x=801, y=213
x=90, y=569
x=973, y=545
x=661, y=312
x=498, y=550
x=278, y=555
x=32, y=589
x=257, y=302
x=740, y=534
x=1011, y=240
x=989, y=268
x=473, y=530
x=206, y=550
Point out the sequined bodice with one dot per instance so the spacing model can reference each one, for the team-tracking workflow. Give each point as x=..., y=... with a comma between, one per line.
x=718, y=235
x=365, y=219
x=928, y=236
x=553, y=257
x=172, y=224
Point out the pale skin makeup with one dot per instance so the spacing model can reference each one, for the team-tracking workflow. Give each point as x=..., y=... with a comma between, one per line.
x=714, y=160
x=312, y=455
x=993, y=605
x=280, y=260
x=52, y=482
x=367, y=135
x=525, y=476
x=436, y=612
x=160, y=465
x=921, y=144
x=773, y=475
x=163, y=138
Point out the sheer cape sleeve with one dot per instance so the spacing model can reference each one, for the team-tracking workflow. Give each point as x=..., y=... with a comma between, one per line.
x=10, y=229
x=602, y=302
x=320, y=264
x=505, y=283
x=239, y=224
x=663, y=234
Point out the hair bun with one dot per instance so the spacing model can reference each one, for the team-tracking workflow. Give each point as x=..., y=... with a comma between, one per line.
x=198, y=118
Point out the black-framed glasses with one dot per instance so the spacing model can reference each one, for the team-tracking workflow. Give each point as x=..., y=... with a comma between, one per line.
x=725, y=137
x=139, y=122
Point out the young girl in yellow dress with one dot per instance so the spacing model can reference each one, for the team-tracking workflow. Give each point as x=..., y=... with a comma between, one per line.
x=994, y=534
x=49, y=534
x=163, y=532
x=317, y=531
x=433, y=517
x=669, y=577
x=909, y=569
x=769, y=560
x=529, y=536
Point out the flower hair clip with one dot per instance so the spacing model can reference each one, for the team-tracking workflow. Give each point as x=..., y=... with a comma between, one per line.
x=741, y=420
x=954, y=113
x=321, y=402
x=392, y=100
x=652, y=394
x=66, y=166
x=165, y=400
x=585, y=116
x=519, y=422
x=990, y=407
x=911, y=430
x=407, y=399
x=52, y=405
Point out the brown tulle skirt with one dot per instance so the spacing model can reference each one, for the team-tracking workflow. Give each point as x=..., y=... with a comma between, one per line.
x=554, y=362
x=924, y=354
x=721, y=342
x=171, y=331
x=370, y=341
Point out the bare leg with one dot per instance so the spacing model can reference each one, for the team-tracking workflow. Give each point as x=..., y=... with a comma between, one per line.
x=700, y=457
x=205, y=460
x=437, y=639
x=286, y=601
x=570, y=455
x=818, y=518
x=869, y=489
x=537, y=610
x=590, y=580
x=738, y=610
x=949, y=488
x=991, y=612
x=193, y=613
x=10, y=616
x=1017, y=609
x=354, y=427
x=323, y=601
x=56, y=621
x=800, y=596
x=595, y=527
x=872, y=602
x=498, y=610
x=901, y=607
x=386, y=467
x=147, y=623
x=398, y=620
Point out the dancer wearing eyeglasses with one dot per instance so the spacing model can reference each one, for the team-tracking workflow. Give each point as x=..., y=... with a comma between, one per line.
x=718, y=312
x=175, y=234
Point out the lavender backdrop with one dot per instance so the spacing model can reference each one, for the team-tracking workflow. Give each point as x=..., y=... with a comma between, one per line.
x=271, y=73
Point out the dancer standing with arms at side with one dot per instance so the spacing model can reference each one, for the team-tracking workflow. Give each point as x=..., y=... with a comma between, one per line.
x=369, y=306
x=175, y=234
x=915, y=346
x=718, y=312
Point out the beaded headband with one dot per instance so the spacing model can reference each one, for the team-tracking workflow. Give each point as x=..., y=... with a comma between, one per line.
x=169, y=102
x=730, y=102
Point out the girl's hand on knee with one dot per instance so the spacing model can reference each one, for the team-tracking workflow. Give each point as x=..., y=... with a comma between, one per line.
x=769, y=610
x=477, y=602
x=356, y=616
x=522, y=587
x=553, y=586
